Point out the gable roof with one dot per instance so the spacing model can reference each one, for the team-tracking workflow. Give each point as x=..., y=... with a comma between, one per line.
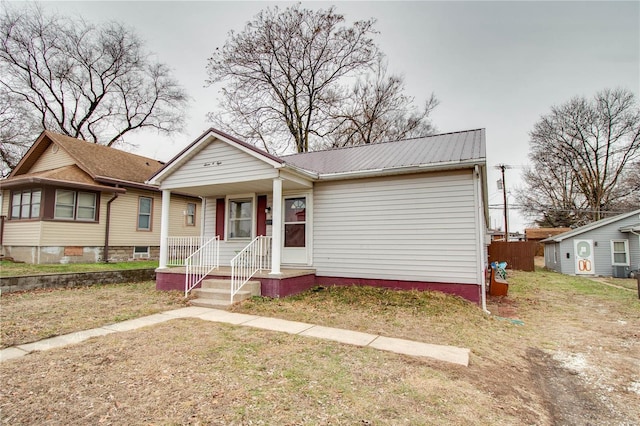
x=447, y=150
x=101, y=163
x=586, y=228
x=201, y=141
x=454, y=148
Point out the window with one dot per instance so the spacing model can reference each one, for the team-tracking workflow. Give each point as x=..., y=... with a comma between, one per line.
x=240, y=218
x=74, y=205
x=145, y=208
x=26, y=204
x=141, y=252
x=190, y=214
x=620, y=252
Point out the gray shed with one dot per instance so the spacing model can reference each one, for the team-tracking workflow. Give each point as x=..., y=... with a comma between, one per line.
x=609, y=247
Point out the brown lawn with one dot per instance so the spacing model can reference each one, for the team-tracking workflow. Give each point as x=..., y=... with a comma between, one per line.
x=576, y=360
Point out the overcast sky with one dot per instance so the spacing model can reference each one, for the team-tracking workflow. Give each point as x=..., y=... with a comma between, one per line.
x=493, y=65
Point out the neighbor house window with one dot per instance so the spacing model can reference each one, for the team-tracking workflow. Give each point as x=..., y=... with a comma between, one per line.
x=25, y=204
x=240, y=218
x=620, y=252
x=145, y=207
x=75, y=205
x=190, y=214
x=141, y=252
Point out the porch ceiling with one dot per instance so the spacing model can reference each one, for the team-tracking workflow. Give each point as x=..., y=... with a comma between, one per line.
x=256, y=186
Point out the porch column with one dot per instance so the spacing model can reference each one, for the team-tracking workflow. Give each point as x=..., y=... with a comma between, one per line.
x=276, y=226
x=164, y=228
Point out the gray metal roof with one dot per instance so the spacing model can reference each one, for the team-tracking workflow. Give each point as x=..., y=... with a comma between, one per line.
x=444, y=149
x=588, y=227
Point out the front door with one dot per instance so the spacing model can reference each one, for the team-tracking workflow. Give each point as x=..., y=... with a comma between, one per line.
x=583, y=254
x=295, y=230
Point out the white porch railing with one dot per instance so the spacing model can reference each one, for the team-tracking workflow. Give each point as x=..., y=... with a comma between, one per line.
x=182, y=247
x=253, y=258
x=201, y=262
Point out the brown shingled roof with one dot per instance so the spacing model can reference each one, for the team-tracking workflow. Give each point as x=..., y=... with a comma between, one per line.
x=102, y=161
x=542, y=233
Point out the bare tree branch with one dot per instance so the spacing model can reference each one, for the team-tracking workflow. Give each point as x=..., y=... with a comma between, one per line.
x=286, y=78
x=87, y=81
x=591, y=147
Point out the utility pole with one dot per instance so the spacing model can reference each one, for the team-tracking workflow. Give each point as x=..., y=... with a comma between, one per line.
x=502, y=168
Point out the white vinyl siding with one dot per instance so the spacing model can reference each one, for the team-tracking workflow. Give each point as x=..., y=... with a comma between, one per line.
x=413, y=227
x=52, y=158
x=210, y=218
x=219, y=163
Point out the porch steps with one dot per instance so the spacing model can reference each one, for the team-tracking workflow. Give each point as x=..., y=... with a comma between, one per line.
x=216, y=293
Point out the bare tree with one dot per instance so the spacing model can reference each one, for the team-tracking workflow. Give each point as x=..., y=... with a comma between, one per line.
x=378, y=110
x=288, y=77
x=587, y=150
x=16, y=131
x=92, y=82
x=552, y=197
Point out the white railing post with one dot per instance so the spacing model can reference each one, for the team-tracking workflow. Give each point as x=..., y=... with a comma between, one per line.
x=201, y=262
x=253, y=258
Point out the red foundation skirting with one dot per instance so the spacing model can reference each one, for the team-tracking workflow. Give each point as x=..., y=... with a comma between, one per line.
x=470, y=292
x=275, y=287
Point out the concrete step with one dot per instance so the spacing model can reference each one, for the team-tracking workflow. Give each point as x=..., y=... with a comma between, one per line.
x=252, y=286
x=210, y=303
x=217, y=294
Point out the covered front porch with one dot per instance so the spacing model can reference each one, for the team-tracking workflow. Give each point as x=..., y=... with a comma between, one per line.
x=255, y=218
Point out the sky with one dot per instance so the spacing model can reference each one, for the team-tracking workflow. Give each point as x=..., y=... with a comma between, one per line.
x=493, y=65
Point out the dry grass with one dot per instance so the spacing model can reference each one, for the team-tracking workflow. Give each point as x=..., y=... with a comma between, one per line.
x=34, y=315
x=629, y=283
x=196, y=372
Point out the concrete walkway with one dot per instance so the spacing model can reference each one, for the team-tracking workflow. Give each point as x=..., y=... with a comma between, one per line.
x=450, y=354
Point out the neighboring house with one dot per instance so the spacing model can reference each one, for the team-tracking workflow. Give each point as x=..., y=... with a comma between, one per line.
x=499, y=236
x=539, y=234
x=608, y=247
x=405, y=214
x=72, y=201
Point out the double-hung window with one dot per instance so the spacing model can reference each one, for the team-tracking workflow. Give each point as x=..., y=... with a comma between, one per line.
x=145, y=210
x=25, y=204
x=620, y=252
x=75, y=205
x=190, y=214
x=240, y=223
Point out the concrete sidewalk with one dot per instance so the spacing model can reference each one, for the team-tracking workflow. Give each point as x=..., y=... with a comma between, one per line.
x=450, y=354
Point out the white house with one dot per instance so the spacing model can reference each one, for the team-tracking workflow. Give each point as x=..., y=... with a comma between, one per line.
x=608, y=247
x=406, y=214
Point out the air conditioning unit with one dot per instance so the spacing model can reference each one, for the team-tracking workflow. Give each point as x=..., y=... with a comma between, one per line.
x=620, y=271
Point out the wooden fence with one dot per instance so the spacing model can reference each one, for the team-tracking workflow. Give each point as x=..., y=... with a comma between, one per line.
x=518, y=254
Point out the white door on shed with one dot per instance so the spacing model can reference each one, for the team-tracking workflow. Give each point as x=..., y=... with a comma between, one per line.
x=583, y=255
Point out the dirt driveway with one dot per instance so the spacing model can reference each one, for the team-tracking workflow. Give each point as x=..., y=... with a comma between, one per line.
x=557, y=351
